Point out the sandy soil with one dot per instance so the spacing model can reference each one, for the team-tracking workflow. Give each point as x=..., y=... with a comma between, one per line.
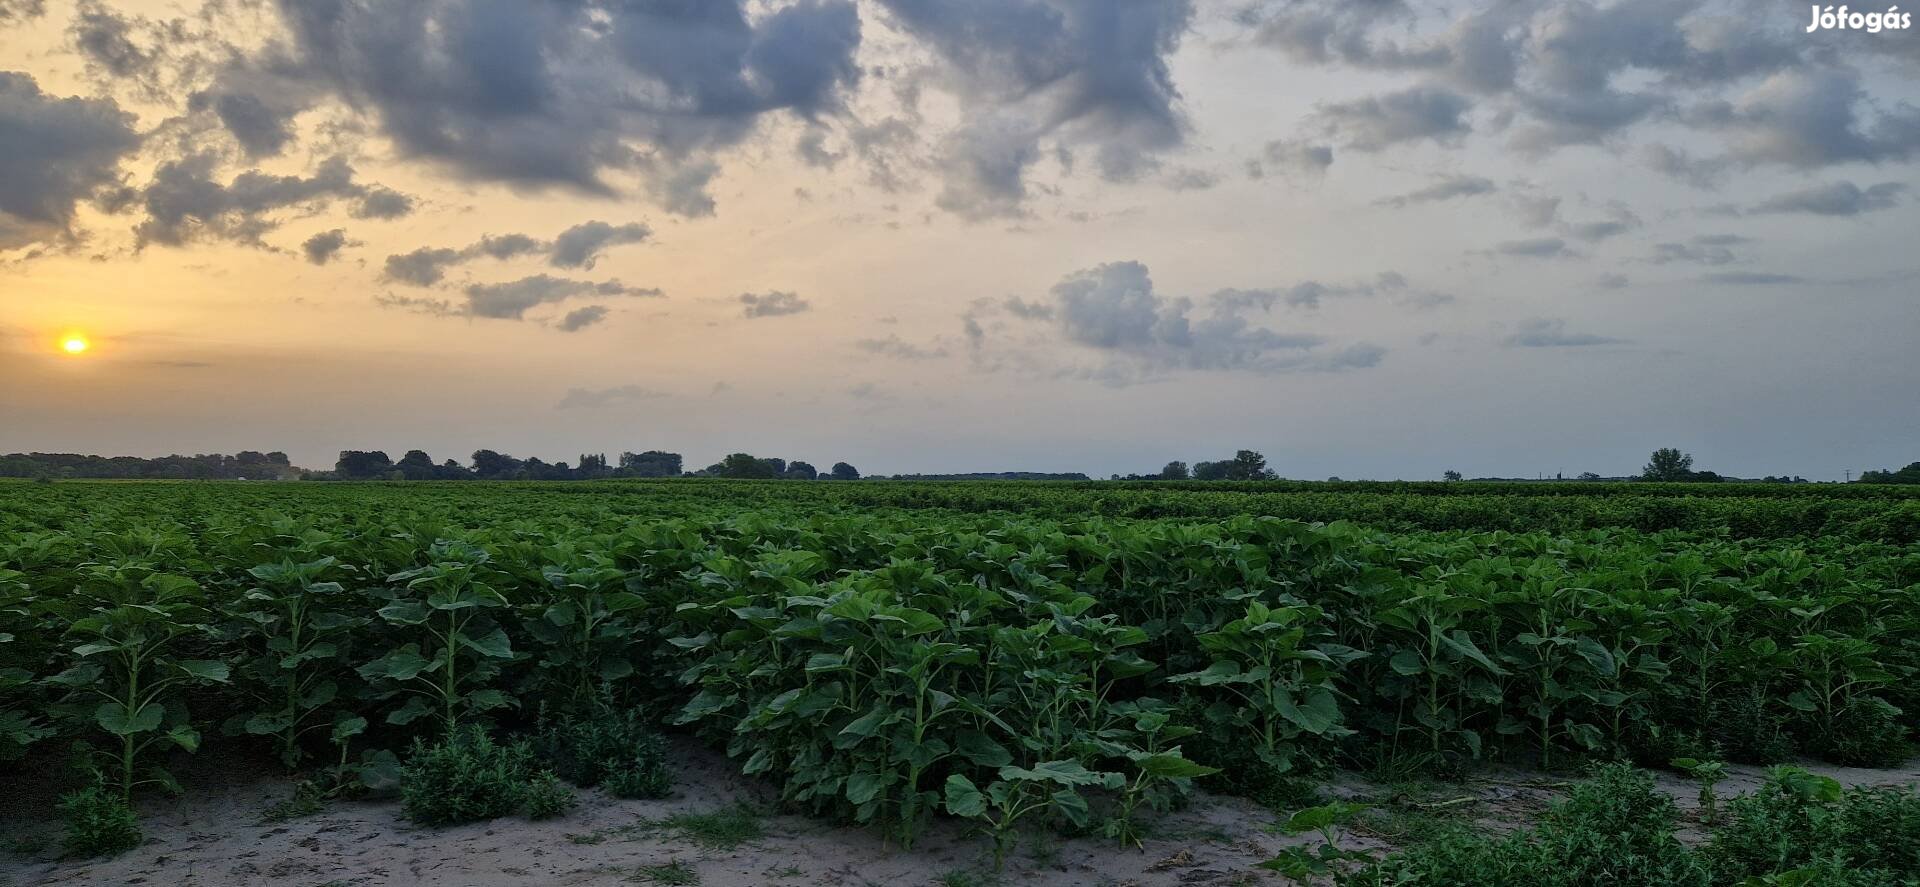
x=216, y=835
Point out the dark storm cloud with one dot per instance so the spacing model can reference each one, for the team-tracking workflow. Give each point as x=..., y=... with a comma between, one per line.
x=537, y=95
x=185, y=201
x=1544, y=333
x=1445, y=189
x=1078, y=73
x=54, y=153
x=105, y=39
x=383, y=203
x=321, y=248
x=1835, y=199
x=773, y=304
x=578, y=247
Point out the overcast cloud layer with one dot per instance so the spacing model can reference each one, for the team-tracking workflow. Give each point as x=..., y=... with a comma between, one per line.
x=1379, y=238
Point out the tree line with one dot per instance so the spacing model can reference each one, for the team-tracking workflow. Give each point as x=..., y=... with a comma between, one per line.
x=493, y=465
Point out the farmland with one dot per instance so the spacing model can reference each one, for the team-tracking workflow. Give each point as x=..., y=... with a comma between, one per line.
x=1006, y=657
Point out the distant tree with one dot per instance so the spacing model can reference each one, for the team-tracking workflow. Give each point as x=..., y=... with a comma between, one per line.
x=652, y=463
x=1588, y=475
x=744, y=466
x=362, y=464
x=801, y=471
x=1907, y=475
x=1668, y=464
x=843, y=471
x=489, y=465
x=1211, y=470
x=777, y=466
x=1175, y=470
x=1450, y=475
x=416, y=465
x=1248, y=465
x=451, y=470
x=592, y=465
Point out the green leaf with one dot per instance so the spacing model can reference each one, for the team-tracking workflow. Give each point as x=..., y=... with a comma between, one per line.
x=206, y=670
x=113, y=718
x=1316, y=713
x=494, y=644
x=404, y=612
x=268, y=723
x=865, y=786
x=963, y=799
x=347, y=728
x=186, y=737
x=1170, y=765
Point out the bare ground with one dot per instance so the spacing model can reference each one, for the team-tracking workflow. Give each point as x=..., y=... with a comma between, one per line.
x=216, y=835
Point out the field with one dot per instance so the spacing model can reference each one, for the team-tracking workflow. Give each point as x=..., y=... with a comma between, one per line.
x=987, y=662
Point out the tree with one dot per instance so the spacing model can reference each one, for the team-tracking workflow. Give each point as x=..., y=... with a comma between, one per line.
x=802, y=471
x=1211, y=470
x=652, y=463
x=1450, y=475
x=1175, y=470
x=489, y=465
x=592, y=465
x=416, y=465
x=1668, y=464
x=1907, y=475
x=362, y=464
x=1248, y=465
x=777, y=466
x=1588, y=475
x=745, y=467
x=843, y=471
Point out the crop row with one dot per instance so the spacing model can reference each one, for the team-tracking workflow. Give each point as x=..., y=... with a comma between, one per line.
x=889, y=666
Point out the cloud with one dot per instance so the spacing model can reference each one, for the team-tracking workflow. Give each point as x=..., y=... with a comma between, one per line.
x=1293, y=156
x=54, y=153
x=1534, y=248
x=1113, y=311
x=322, y=247
x=601, y=398
x=1612, y=281
x=541, y=95
x=1421, y=113
x=1751, y=278
x=1808, y=119
x=1544, y=333
x=1191, y=180
x=383, y=203
x=20, y=10
x=1445, y=189
x=580, y=245
x=1593, y=232
x=896, y=347
x=580, y=318
x=185, y=202
x=1077, y=73
x=1699, y=251
x=512, y=300
x=773, y=304
x=1835, y=199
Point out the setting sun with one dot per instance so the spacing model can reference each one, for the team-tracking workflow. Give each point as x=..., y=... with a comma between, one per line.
x=75, y=345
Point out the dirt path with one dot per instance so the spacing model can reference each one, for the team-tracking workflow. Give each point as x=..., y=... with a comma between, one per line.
x=215, y=835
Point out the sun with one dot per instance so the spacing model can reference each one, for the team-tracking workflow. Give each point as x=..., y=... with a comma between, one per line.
x=75, y=344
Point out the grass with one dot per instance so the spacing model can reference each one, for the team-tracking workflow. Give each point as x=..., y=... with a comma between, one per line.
x=722, y=829
x=674, y=872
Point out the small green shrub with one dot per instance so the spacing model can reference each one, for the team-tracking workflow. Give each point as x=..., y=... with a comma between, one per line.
x=1749, y=727
x=1797, y=820
x=1868, y=732
x=466, y=778
x=608, y=746
x=547, y=797
x=1615, y=830
x=99, y=822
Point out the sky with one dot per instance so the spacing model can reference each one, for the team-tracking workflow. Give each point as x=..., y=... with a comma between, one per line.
x=1369, y=238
